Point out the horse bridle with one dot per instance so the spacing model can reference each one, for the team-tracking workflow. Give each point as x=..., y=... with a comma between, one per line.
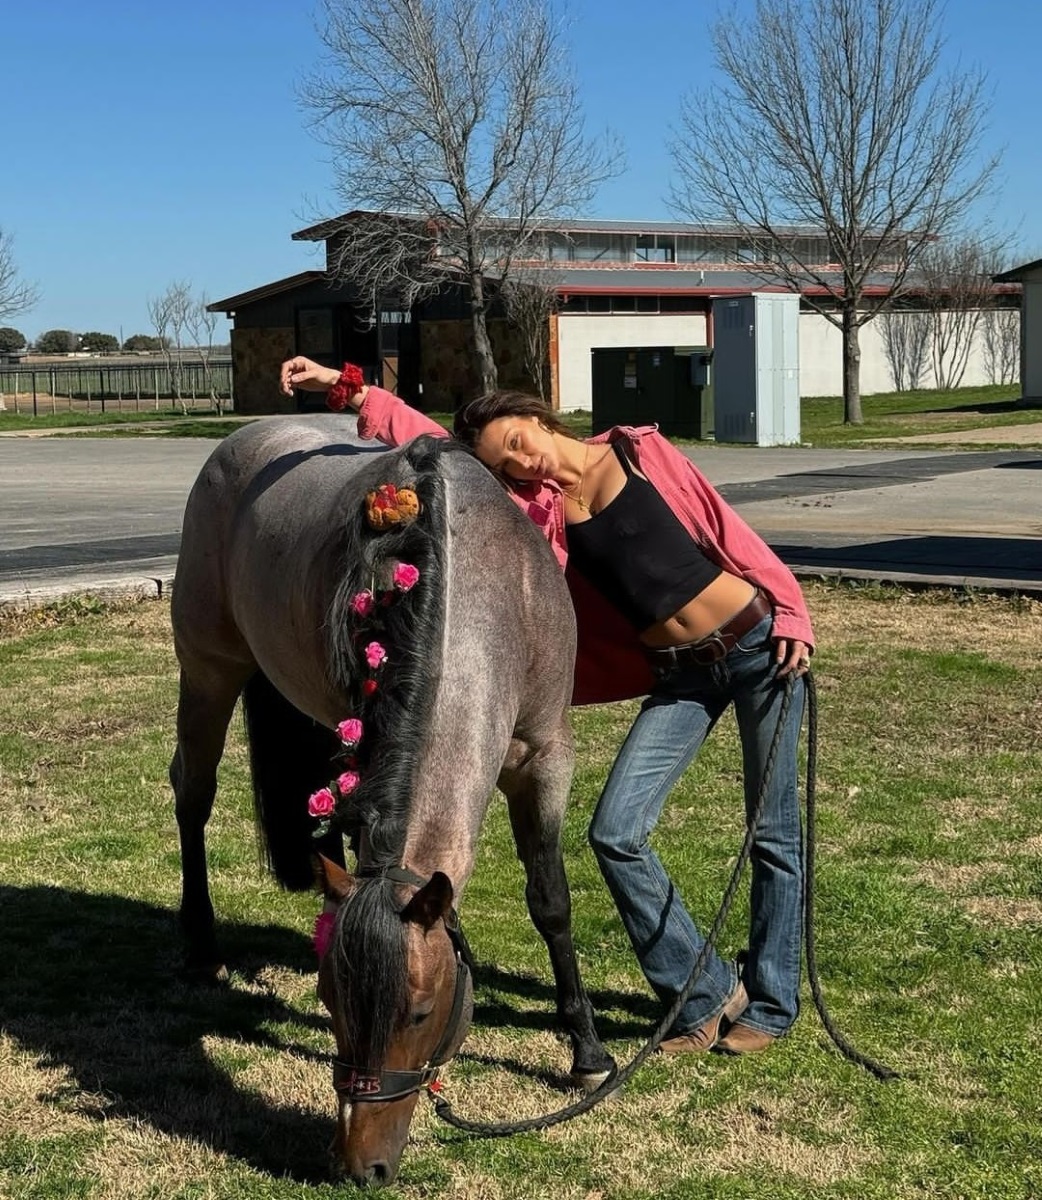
x=362, y=1085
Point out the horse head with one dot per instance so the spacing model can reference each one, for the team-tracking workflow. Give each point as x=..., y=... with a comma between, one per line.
x=395, y=980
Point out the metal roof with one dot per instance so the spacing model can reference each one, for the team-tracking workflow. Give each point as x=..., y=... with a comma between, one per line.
x=328, y=227
x=265, y=291
x=1016, y=275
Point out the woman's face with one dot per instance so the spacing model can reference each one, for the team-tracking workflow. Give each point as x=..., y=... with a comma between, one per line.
x=518, y=447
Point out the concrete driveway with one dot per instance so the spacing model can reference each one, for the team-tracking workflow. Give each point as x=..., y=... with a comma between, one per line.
x=105, y=513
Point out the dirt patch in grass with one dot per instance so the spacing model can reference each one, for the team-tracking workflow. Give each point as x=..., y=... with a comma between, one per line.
x=930, y=621
x=1004, y=910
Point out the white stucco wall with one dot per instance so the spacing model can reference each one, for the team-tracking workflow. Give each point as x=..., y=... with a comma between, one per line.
x=579, y=333
x=821, y=366
x=821, y=362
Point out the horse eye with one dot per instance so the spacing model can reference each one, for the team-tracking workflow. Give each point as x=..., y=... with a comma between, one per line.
x=419, y=1015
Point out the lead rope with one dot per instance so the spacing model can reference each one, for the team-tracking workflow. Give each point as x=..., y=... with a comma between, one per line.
x=842, y=1044
x=621, y=1076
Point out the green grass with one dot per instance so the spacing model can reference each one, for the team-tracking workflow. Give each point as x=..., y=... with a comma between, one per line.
x=110, y=421
x=918, y=413
x=121, y=1081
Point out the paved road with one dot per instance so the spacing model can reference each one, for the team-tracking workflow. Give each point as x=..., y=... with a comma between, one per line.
x=105, y=512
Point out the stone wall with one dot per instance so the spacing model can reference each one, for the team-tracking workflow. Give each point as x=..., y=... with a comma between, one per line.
x=257, y=355
x=445, y=366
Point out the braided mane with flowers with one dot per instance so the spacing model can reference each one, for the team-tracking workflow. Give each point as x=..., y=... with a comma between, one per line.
x=384, y=622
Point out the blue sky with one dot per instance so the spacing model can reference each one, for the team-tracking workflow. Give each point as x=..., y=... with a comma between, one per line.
x=146, y=144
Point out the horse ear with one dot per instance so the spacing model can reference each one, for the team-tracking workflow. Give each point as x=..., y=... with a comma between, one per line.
x=431, y=903
x=331, y=879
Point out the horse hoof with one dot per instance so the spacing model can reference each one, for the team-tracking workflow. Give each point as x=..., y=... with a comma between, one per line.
x=589, y=1081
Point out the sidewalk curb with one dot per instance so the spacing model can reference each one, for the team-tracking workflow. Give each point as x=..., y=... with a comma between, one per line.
x=108, y=590
x=112, y=590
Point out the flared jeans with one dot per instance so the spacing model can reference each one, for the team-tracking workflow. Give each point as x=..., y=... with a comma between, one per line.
x=672, y=724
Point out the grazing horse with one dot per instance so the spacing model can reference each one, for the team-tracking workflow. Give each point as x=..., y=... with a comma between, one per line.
x=282, y=588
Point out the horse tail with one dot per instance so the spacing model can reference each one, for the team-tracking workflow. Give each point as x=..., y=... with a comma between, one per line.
x=290, y=757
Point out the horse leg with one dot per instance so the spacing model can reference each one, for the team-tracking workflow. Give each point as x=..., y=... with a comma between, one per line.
x=537, y=791
x=203, y=714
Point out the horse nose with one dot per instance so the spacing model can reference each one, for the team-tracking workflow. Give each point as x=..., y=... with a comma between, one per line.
x=377, y=1174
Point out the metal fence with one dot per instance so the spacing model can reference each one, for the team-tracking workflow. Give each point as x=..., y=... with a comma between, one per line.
x=97, y=386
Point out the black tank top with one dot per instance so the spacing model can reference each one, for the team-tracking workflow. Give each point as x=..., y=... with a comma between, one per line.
x=638, y=555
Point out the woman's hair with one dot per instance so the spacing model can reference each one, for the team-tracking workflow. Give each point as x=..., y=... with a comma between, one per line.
x=472, y=418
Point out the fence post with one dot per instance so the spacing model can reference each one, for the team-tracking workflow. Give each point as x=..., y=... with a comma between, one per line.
x=34, y=395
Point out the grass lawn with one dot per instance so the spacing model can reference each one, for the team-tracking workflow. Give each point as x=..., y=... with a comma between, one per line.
x=120, y=1081
x=919, y=413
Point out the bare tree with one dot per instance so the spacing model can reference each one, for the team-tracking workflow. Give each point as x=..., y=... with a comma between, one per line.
x=957, y=291
x=460, y=116
x=171, y=317
x=202, y=324
x=906, y=343
x=1000, y=342
x=836, y=118
x=15, y=294
x=530, y=301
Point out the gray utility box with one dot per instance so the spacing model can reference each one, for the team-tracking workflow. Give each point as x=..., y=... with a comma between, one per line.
x=756, y=361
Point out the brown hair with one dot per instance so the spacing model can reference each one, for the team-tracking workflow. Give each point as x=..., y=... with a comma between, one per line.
x=472, y=418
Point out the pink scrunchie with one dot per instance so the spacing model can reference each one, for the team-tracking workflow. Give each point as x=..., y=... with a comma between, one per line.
x=347, y=386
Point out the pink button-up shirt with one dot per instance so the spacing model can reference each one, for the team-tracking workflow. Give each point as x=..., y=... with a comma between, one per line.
x=610, y=664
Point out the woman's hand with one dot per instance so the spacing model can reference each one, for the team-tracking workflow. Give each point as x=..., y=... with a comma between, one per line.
x=302, y=373
x=792, y=657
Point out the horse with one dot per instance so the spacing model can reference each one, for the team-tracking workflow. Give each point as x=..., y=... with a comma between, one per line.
x=283, y=586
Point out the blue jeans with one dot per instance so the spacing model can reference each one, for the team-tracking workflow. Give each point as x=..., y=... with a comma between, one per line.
x=669, y=731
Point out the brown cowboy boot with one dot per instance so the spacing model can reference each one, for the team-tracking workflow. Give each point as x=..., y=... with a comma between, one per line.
x=698, y=1041
x=743, y=1039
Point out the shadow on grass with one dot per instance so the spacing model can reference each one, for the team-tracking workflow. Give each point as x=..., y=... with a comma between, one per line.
x=995, y=408
x=640, y=1012
x=92, y=985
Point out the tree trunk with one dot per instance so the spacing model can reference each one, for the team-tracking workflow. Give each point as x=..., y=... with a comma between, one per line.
x=484, y=361
x=851, y=368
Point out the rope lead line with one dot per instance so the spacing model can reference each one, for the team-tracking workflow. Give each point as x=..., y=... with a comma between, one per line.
x=620, y=1077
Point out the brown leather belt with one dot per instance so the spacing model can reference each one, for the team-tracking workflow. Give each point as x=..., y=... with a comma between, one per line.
x=714, y=646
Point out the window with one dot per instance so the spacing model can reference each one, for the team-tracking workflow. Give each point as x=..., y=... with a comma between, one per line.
x=559, y=247
x=656, y=247
x=391, y=322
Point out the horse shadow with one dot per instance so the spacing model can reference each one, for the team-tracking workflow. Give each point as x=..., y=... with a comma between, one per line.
x=92, y=985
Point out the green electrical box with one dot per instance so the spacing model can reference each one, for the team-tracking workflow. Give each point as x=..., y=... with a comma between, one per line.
x=667, y=386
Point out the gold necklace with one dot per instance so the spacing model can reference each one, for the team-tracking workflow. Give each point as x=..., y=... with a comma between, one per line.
x=582, y=476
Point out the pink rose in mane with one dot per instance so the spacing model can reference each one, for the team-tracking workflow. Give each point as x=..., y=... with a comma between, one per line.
x=347, y=782
x=324, y=925
x=406, y=576
x=321, y=803
x=350, y=731
x=362, y=603
x=375, y=655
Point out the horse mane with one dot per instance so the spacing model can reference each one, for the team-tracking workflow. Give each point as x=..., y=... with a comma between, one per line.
x=368, y=947
x=396, y=717
x=369, y=970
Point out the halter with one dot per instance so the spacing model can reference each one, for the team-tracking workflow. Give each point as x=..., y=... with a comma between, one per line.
x=360, y=1085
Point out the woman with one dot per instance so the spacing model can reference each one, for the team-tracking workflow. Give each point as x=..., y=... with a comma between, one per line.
x=677, y=600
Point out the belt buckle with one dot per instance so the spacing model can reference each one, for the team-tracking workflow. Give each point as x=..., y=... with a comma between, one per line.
x=711, y=649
